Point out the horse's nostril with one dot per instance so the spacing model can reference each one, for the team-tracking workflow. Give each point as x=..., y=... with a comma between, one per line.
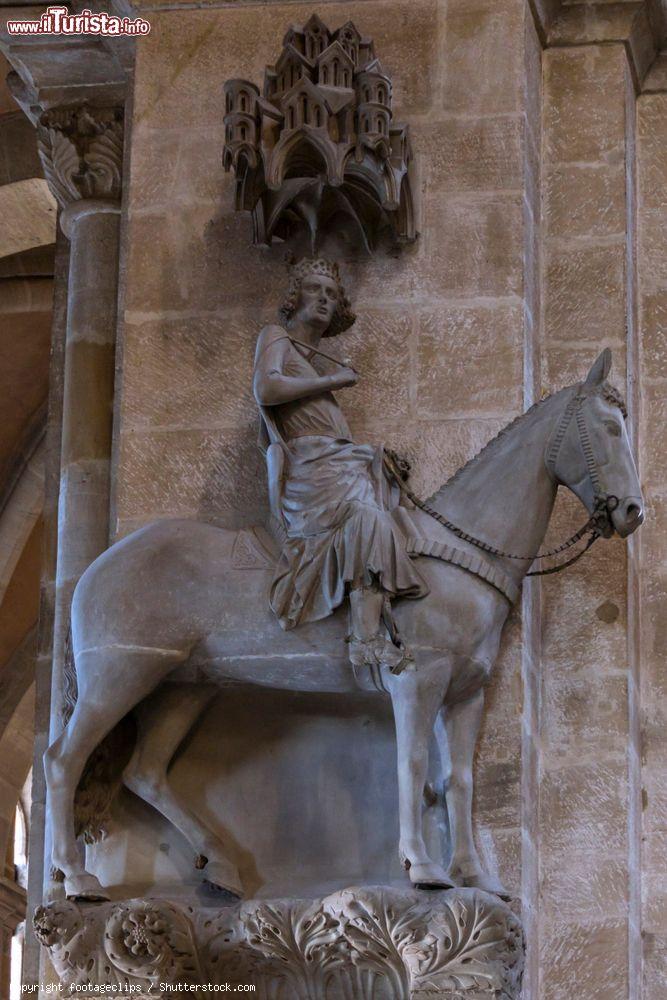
x=633, y=512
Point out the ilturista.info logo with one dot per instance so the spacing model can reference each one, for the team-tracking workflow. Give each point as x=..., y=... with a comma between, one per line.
x=59, y=21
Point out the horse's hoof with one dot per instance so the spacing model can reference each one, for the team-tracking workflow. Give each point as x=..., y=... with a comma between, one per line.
x=85, y=887
x=487, y=883
x=224, y=878
x=430, y=876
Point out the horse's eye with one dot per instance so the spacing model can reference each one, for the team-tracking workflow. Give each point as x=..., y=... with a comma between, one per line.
x=614, y=429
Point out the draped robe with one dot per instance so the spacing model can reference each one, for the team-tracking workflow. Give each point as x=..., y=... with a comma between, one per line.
x=336, y=505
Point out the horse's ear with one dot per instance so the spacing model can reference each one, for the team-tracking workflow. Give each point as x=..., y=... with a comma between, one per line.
x=600, y=369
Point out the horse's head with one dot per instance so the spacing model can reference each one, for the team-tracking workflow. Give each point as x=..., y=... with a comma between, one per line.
x=589, y=452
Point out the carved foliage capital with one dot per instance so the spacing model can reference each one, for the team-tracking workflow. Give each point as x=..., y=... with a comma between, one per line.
x=81, y=150
x=375, y=943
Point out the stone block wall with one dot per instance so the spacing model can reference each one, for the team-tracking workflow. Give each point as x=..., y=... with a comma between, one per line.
x=197, y=292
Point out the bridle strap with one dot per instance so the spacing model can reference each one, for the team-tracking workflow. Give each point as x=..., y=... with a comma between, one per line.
x=591, y=527
x=592, y=538
x=556, y=442
x=587, y=449
x=575, y=408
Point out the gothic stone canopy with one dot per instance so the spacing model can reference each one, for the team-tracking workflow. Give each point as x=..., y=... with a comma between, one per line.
x=318, y=148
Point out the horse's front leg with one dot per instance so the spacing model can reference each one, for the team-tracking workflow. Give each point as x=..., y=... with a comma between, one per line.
x=417, y=697
x=461, y=723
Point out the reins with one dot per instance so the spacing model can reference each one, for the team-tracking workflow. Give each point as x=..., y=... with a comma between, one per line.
x=594, y=526
x=591, y=527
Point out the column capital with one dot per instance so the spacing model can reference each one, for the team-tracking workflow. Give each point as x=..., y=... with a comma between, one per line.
x=81, y=149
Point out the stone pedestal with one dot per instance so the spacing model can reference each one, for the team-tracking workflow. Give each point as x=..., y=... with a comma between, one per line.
x=370, y=943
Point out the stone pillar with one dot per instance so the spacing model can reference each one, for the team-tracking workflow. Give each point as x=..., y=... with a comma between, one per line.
x=32, y=955
x=81, y=151
x=587, y=928
x=83, y=520
x=652, y=259
x=531, y=603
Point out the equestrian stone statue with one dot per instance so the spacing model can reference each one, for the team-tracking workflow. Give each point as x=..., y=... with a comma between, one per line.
x=167, y=615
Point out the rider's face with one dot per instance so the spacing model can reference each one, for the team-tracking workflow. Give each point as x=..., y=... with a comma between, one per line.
x=318, y=298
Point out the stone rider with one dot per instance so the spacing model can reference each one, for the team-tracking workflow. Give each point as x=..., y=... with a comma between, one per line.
x=331, y=498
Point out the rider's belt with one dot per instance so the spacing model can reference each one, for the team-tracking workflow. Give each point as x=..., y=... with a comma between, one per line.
x=470, y=561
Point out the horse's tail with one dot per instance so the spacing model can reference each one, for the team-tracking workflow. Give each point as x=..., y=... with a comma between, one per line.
x=102, y=776
x=70, y=686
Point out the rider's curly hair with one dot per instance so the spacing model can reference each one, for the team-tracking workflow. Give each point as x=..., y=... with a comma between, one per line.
x=343, y=317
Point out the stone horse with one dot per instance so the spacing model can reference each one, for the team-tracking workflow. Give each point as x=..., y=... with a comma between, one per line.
x=166, y=598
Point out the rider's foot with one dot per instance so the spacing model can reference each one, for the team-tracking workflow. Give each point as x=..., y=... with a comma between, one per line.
x=378, y=652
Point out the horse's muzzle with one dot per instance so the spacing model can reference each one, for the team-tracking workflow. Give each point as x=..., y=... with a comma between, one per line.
x=628, y=515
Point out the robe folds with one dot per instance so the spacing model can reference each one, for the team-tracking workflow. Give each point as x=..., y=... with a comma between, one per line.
x=337, y=505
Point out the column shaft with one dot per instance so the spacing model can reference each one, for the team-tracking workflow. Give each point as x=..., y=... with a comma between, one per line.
x=83, y=504
x=83, y=512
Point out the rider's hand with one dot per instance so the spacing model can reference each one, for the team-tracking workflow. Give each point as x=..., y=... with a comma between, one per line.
x=344, y=378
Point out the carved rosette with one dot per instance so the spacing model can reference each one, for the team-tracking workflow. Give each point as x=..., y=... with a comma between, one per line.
x=81, y=150
x=371, y=943
x=152, y=941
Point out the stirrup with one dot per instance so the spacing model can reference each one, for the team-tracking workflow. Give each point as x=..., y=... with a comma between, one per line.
x=378, y=652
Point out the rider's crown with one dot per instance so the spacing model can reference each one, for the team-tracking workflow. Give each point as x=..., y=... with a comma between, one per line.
x=312, y=265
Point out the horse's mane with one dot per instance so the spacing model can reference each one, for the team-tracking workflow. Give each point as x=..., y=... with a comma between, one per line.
x=605, y=389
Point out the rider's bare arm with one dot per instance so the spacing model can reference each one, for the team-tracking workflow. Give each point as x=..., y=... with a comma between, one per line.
x=272, y=387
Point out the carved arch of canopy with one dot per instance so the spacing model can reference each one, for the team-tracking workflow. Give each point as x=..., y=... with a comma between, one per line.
x=320, y=143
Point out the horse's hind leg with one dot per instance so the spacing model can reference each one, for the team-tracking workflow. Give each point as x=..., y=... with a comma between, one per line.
x=164, y=721
x=461, y=722
x=111, y=681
